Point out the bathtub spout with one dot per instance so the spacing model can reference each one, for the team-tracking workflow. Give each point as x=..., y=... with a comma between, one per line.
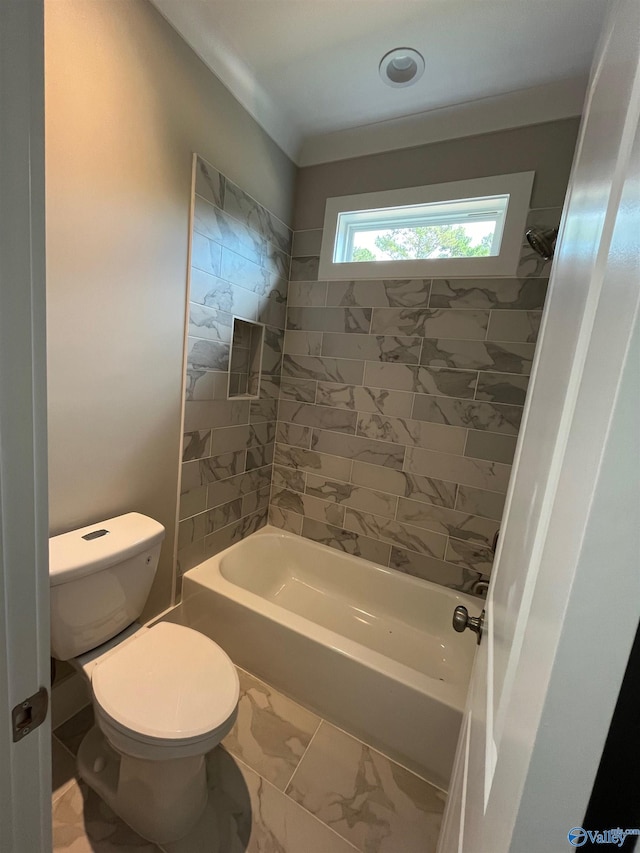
x=480, y=588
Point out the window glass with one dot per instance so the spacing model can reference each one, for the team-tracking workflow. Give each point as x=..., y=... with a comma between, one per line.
x=466, y=228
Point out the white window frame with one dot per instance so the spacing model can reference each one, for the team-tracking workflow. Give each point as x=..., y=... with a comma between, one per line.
x=517, y=186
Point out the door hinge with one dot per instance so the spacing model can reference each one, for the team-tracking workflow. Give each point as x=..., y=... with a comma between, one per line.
x=29, y=714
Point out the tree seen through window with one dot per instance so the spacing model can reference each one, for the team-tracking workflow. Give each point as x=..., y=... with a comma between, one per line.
x=428, y=241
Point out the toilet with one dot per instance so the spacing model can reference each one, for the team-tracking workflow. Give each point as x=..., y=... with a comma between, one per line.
x=163, y=696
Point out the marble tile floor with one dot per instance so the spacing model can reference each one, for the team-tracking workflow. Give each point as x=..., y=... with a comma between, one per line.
x=283, y=781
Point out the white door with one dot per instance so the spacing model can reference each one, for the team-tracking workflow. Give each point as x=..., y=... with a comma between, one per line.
x=25, y=780
x=564, y=599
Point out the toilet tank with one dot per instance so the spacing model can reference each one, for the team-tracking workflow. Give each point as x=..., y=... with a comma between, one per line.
x=100, y=578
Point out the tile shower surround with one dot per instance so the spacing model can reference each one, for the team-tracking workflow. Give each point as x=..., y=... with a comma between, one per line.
x=389, y=408
x=240, y=257
x=400, y=405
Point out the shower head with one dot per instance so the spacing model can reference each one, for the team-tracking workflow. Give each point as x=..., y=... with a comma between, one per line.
x=543, y=241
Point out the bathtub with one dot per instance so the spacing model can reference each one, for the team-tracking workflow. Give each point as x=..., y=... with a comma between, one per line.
x=367, y=648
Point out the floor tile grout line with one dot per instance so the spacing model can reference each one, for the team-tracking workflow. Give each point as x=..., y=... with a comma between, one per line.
x=298, y=706
x=306, y=811
x=369, y=746
x=295, y=769
x=384, y=755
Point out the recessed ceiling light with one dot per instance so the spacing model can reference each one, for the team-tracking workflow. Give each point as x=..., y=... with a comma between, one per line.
x=402, y=66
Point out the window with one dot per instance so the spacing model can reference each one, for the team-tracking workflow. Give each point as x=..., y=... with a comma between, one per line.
x=470, y=227
x=463, y=228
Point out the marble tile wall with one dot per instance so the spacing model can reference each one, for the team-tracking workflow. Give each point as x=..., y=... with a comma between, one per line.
x=240, y=257
x=400, y=404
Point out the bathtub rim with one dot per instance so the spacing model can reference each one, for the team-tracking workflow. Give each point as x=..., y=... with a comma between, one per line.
x=451, y=695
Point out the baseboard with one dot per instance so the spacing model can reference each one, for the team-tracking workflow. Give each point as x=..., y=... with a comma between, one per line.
x=68, y=696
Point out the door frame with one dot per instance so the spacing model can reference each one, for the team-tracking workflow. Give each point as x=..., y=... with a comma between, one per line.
x=581, y=632
x=584, y=606
x=25, y=780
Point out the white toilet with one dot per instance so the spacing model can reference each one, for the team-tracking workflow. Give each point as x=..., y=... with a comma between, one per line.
x=163, y=696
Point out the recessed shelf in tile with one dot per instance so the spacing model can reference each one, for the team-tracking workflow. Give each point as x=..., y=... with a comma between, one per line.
x=246, y=359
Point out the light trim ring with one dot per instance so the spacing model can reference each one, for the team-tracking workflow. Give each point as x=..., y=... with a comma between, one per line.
x=402, y=66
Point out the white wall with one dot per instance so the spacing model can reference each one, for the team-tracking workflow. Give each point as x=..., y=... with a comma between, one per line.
x=127, y=102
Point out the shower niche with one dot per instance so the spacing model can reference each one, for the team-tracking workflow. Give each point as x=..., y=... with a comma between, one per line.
x=246, y=360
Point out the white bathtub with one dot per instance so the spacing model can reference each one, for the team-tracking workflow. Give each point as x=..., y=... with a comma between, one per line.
x=368, y=648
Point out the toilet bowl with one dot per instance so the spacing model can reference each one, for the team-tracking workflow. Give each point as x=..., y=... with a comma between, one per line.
x=163, y=696
x=162, y=700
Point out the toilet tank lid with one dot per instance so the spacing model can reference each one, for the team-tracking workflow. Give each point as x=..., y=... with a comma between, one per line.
x=98, y=546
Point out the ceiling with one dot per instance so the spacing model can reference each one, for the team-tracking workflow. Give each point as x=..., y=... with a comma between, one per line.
x=307, y=70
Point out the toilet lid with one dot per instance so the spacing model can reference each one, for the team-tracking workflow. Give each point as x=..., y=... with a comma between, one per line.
x=170, y=682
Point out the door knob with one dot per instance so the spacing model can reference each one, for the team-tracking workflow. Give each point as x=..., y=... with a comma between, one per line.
x=462, y=620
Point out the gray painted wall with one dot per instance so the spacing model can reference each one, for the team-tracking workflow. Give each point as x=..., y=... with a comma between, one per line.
x=546, y=149
x=127, y=102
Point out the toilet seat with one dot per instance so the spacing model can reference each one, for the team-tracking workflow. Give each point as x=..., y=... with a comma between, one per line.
x=169, y=691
